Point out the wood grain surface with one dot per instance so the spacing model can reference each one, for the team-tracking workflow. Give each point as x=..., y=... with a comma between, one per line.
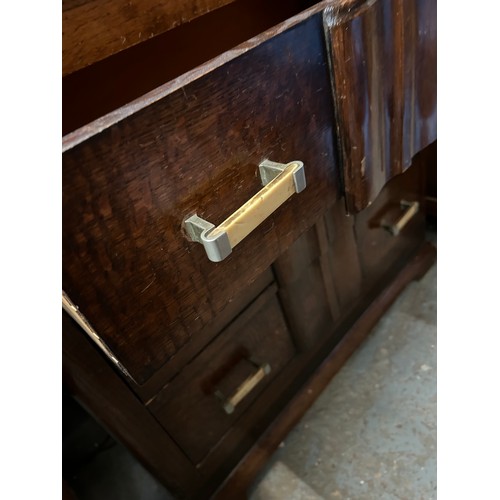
x=144, y=287
x=384, y=72
x=96, y=29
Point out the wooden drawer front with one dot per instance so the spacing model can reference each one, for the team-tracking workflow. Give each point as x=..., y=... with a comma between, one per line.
x=381, y=252
x=190, y=409
x=144, y=287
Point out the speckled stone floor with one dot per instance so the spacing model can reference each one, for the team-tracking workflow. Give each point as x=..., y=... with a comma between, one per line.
x=372, y=433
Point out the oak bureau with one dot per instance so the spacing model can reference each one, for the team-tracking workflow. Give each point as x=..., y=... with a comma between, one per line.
x=244, y=195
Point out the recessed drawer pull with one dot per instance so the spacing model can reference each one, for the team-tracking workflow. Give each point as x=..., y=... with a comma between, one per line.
x=410, y=210
x=280, y=181
x=229, y=404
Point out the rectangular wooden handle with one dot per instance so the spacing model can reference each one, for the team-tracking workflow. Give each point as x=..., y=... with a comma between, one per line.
x=410, y=210
x=229, y=404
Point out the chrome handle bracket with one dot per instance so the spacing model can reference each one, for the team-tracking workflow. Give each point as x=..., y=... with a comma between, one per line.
x=269, y=170
x=198, y=229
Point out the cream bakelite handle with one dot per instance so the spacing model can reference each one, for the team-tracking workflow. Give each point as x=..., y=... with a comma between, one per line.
x=280, y=181
x=229, y=404
x=410, y=209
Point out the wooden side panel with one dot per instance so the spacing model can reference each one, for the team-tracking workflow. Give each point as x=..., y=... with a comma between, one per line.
x=384, y=71
x=144, y=287
x=89, y=377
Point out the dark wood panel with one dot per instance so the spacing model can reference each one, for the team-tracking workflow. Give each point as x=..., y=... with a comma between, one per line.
x=188, y=407
x=340, y=257
x=384, y=72
x=144, y=287
x=241, y=477
x=310, y=306
x=89, y=377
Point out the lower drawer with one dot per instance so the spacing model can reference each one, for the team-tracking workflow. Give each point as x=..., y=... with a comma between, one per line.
x=392, y=227
x=206, y=399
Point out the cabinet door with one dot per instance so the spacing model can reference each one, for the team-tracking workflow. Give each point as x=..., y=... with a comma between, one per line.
x=384, y=73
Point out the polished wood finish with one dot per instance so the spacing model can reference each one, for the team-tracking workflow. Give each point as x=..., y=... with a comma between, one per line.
x=243, y=475
x=188, y=407
x=153, y=77
x=384, y=73
x=144, y=287
x=90, y=378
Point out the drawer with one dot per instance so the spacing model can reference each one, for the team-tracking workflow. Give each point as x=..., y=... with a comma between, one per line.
x=393, y=227
x=211, y=393
x=127, y=189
